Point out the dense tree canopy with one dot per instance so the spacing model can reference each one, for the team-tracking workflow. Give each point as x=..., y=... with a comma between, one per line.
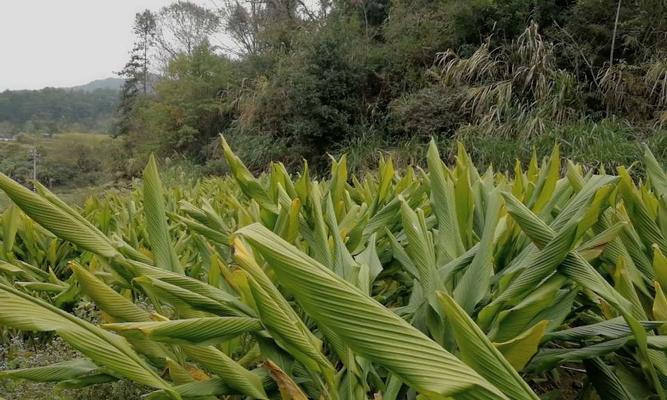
x=51, y=110
x=284, y=79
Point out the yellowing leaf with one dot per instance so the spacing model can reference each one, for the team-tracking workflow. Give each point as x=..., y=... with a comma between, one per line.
x=289, y=390
x=660, y=266
x=521, y=349
x=660, y=307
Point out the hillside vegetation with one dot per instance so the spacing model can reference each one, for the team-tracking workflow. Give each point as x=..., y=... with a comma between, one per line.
x=300, y=81
x=288, y=81
x=65, y=160
x=54, y=110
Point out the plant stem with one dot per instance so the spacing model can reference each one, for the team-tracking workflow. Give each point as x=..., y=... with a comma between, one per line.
x=613, y=36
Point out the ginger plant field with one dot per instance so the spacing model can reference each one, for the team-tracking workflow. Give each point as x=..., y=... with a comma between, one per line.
x=441, y=283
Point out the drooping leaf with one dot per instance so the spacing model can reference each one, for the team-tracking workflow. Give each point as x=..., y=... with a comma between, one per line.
x=202, y=331
x=156, y=220
x=51, y=217
x=53, y=373
x=24, y=312
x=521, y=349
x=366, y=326
x=478, y=352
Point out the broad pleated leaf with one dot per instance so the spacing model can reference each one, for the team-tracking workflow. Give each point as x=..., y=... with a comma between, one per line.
x=420, y=248
x=210, y=234
x=107, y=299
x=547, y=359
x=521, y=349
x=442, y=201
x=366, y=326
x=59, y=222
x=478, y=352
x=474, y=285
x=656, y=173
x=610, y=329
x=233, y=374
x=10, y=222
x=53, y=373
x=156, y=220
x=23, y=312
x=606, y=383
x=249, y=185
x=190, y=331
x=187, y=287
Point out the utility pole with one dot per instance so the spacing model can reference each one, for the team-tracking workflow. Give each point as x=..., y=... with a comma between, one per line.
x=35, y=155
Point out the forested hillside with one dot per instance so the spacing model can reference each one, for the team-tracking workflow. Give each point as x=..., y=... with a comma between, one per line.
x=106, y=83
x=52, y=110
x=285, y=80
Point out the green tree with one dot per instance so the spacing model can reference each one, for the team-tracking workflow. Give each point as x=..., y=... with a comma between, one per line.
x=315, y=97
x=184, y=26
x=307, y=79
x=191, y=104
x=136, y=71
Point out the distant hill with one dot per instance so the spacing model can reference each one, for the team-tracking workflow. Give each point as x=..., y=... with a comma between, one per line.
x=108, y=83
x=84, y=108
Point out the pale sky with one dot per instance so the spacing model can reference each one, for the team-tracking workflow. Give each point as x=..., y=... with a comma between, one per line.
x=66, y=42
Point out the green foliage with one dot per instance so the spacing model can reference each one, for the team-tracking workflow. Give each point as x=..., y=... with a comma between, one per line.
x=432, y=111
x=17, y=353
x=307, y=81
x=606, y=144
x=135, y=72
x=189, y=110
x=320, y=86
x=443, y=282
x=52, y=110
x=640, y=35
x=66, y=160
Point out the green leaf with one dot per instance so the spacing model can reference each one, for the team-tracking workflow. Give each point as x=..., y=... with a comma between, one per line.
x=59, y=222
x=210, y=234
x=279, y=317
x=660, y=306
x=175, y=294
x=156, y=220
x=547, y=359
x=474, y=285
x=202, y=331
x=656, y=174
x=478, y=352
x=248, y=184
x=106, y=298
x=546, y=183
x=233, y=374
x=606, y=383
x=23, y=312
x=10, y=222
x=53, y=373
x=442, y=202
x=420, y=248
x=521, y=349
x=366, y=326
x=185, y=287
x=609, y=329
